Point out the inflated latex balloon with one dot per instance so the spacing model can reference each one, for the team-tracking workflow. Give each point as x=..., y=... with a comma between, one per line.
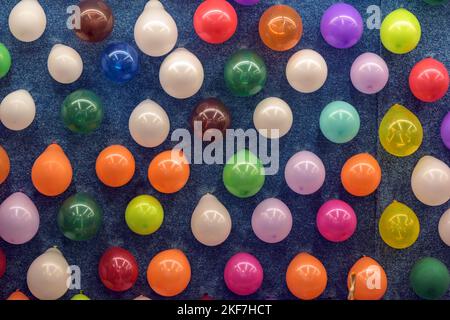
x=366, y=280
x=361, y=175
x=142, y=298
x=80, y=296
x=243, y=274
x=429, y=80
x=169, y=171
x=2, y=263
x=210, y=221
x=339, y=122
x=96, y=21
x=149, y=124
x=115, y=166
x=17, y=110
x=306, y=71
x=399, y=226
x=247, y=2
x=169, y=272
x=120, y=62
x=304, y=173
x=155, y=31
x=212, y=114
x=280, y=27
x=27, y=20
x=444, y=227
x=48, y=275
x=429, y=278
x=245, y=73
x=19, y=219
x=445, y=131
x=18, y=295
x=306, y=277
x=369, y=73
x=273, y=118
x=430, y=181
x=400, y=31
x=64, y=64
x=272, y=220
x=243, y=174
x=336, y=220
x=118, y=269
x=5, y=60
x=436, y=2
x=82, y=111
x=5, y=165
x=144, y=215
x=52, y=172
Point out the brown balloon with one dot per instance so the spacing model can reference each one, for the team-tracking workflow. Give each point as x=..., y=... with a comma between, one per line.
x=213, y=114
x=96, y=22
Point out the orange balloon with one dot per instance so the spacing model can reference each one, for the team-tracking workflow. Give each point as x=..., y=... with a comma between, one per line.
x=169, y=273
x=115, y=166
x=306, y=277
x=4, y=165
x=52, y=172
x=361, y=175
x=366, y=280
x=17, y=295
x=169, y=171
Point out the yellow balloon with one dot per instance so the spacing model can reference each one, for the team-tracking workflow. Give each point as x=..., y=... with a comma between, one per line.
x=399, y=226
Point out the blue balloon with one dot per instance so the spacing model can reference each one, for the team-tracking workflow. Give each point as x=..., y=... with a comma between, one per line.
x=120, y=62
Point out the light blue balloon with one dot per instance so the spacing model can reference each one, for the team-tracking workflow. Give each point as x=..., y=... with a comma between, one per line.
x=339, y=122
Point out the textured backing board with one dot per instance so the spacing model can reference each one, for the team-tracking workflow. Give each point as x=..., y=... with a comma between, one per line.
x=29, y=72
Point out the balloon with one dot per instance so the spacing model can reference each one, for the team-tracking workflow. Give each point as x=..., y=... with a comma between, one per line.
x=27, y=21
x=436, y=2
x=48, y=276
x=169, y=272
x=169, y=171
x=142, y=297
x=18, y=295
x=429, y=80
x=429, y=278
x=144, y=215
x=64, y=64
x=5, y=60
x=245, y=73
x=19, y=219
x=212, y=114
x=444, y=227
x=341, y=26
x=215, y=21
x=155, y=31
x=430, y=181
x=272, y=220
x=17, y=110
x=96, y=21
x=336, y=220
x=400, y=131
x=52, y=172
x=280, y=27
x=243, y=274
x=243, y=174
x=115, y=166
x=2, y=263
x=369, y=73
x=361, y=175
x=399, y=226
x=273, y=118
x=80, y=296
x=82, y=111
x=118, y=269
x=306, y=71
x=210, y=221
x=5, y=165
x=400, y=31
x=120, y=62
x=306, y=277
x=366, y=280
x=304, y=173
x=149, y=124
x=247, y=2
x=445, y=131
x=339, y=122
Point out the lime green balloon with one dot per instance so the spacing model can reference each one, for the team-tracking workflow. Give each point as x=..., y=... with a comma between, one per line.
x=429, y=278
x=400, y=31
x=5, y=60
x=144, y=215
x=80, y=296
x=339, y=122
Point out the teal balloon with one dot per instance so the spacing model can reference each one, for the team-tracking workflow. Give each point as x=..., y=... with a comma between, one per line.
x=429, y=278
x=435, y=2
x=339, y=122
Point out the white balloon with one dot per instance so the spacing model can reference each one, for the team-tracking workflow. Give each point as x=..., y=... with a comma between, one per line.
x=64, y=64
x=17, y=110
x=306, y=71
x=444, y=227
x=27, y=21
x=273, y=114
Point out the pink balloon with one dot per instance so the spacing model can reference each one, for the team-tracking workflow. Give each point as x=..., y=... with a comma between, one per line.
x=304, y=173
x=272, y=220
x=336, y=221
x=243, y=274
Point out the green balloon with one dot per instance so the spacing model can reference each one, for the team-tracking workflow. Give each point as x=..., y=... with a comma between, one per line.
x=80, y=296
x=339, y=122
x=245, y=73
x=80, y=217
x=144, y=215
x=82, y=111
x=5, y=60
x=435, y=2
x=244, y=174
x=429, y=278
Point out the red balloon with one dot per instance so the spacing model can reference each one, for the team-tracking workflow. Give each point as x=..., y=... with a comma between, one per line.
x=118, y=269
x=429, y=80
x=2, y=263
x=215, y=21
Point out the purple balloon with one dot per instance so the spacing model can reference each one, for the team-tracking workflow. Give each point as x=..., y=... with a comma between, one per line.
x=341, y=26
x=19, y=219
x=247, y=2
x=243, y=274
x=369, y=73
x=445, y=130
x=272, y=220
x=304, y=173
x=336, y=220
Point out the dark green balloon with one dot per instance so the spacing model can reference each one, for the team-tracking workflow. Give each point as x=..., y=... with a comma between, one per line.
x=429, y=278
x=435, y=2
x=80, y=217
x=82, y=111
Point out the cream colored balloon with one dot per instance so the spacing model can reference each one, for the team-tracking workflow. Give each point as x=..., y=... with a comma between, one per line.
x=273, y=118
x=142, y=297
x=444, y=227
x=17, y=110
x=27, y=21
x=181, y=74
x=48, y=275
x=210, y=222
x=64, y=64
x=306, y=71
x=155, y=31
x=149, y=124
x=430, y=181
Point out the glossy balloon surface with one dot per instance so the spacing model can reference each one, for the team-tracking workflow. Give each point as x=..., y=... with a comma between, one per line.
x=144, y=215
x=339, y=122
x=5, y=165
x=429, y=278
x=5, y=60
x=361, y=175
x=306, y=71
x=445, y=131
x=80, y=296
x=18, y=295
x=210, y=114
x=243, y=274
x=273, y=118
x=120, y=62
x=64, y=64
x=115, y=166
x=429, y=80
x=17, y=110
x=366, y=280
x=304, y=173
x=27, y=20
x=118, y=269
x=444, y=227
x=336, y=220
x=272, y=220
x=96, y=21
x=400, y=31
x=369, y=73
x=169, y=171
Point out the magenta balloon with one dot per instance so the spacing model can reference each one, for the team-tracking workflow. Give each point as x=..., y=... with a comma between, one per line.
x=369, y=73
x=19, y=219
x=304, y=173
x=445, y=130
x=272, y=220
x=336, y=220
x=243, y=274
